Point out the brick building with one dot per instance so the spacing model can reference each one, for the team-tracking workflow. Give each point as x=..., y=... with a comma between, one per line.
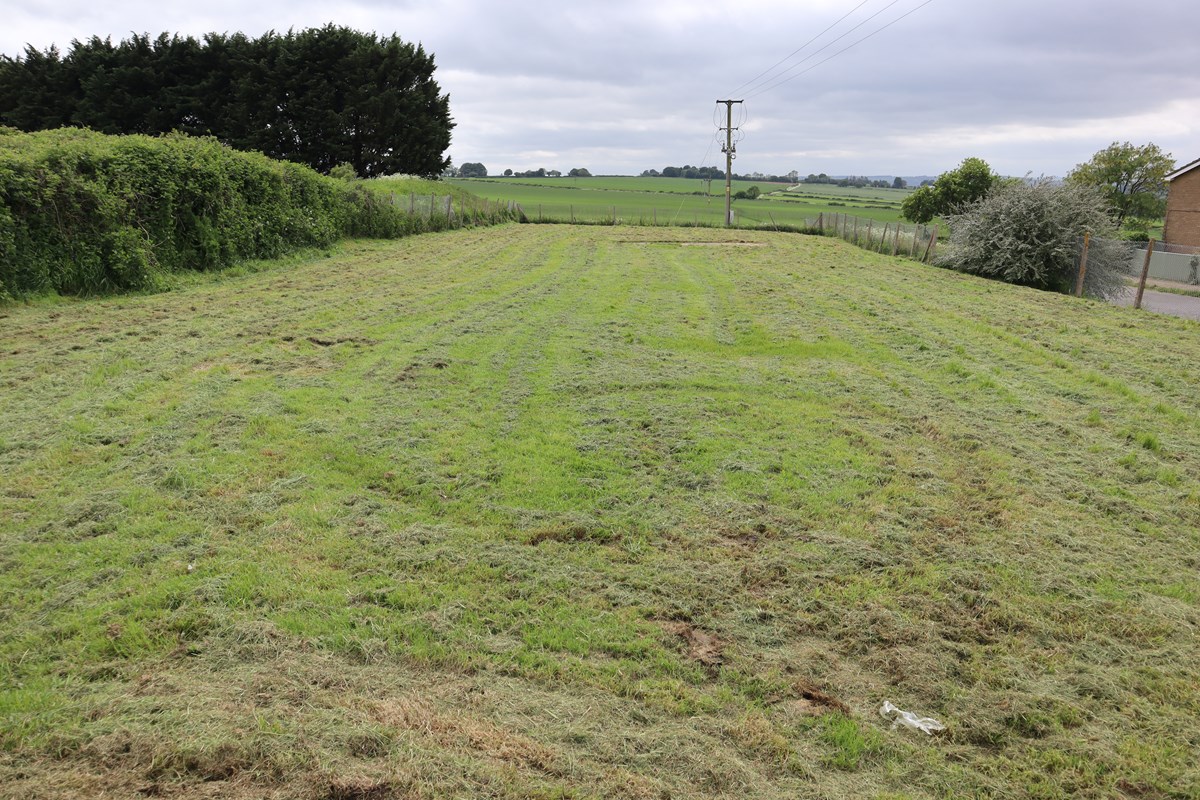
x=1183, y=206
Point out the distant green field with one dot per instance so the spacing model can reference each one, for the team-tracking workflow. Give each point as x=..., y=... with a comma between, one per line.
x=627, y=183
x=677, y=200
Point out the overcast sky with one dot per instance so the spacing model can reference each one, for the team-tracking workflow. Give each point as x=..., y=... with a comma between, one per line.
x=1031, y=86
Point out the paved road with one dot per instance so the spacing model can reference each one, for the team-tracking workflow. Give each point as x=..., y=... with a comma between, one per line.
x=1177, y=305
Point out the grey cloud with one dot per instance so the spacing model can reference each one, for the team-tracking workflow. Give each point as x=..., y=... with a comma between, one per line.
x=623, y=86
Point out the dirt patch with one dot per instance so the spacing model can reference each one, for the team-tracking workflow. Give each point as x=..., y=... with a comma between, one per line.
x=410, y=372
x=571, y=533
x=703, y=646
x=320, y=342
x=723, y=244
x=813, y=701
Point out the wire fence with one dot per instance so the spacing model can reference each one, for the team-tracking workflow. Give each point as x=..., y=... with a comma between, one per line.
x=456, y=211
x=891, y=238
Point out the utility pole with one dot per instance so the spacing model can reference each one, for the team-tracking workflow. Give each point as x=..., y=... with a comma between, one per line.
x=729, y=150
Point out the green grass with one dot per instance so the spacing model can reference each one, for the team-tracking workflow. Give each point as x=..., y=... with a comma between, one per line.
x=677, y=200
x=553, y=511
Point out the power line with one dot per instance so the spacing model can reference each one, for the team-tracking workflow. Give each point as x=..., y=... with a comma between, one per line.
x=823, y=47
x=797, y=50
x=839, y=52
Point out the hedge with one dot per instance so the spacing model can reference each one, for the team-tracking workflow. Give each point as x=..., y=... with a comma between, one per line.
x=86, y=213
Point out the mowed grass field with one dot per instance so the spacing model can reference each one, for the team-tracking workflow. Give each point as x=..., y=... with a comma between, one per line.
x=674, y=200
x=593, y=512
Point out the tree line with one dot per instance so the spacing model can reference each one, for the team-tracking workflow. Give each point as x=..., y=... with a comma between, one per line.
x=320, y=96
x=474, y=169
x=857, y=181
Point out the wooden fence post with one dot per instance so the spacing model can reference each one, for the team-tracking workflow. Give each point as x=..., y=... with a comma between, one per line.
x=1087, y=239
x=1137, y=303
x=821, y=221
x=887, y=226
x=870, y=226
x=896, y=240
x=412, y=203
x=929, y=247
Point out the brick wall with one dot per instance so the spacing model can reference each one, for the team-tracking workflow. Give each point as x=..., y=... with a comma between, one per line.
x=1183, y=210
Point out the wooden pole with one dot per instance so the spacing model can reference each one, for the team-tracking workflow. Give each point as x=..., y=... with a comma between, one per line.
x=821, y=221
x=856, y=230
x=887, y=226
x=912, y=251
x=412, y=203
x=896, y=240
x=870, y=225
x=929, y=247
x=1087, y=239
x=1137, y=303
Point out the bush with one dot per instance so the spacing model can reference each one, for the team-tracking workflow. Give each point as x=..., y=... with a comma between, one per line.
x=85, y=213
x=1030, y=234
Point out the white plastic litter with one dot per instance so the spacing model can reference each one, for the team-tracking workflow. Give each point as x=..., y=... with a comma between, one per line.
x=908, y=719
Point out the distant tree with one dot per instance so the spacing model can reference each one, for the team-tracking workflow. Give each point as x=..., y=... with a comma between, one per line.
x=752, y=193
x=1030, y=233
x=553, y=173
x=672, y=172
x=1133, y=179
x=581, y=172
x=472, y=169
x=953, y=190
x=508, y=173
x=899, y=183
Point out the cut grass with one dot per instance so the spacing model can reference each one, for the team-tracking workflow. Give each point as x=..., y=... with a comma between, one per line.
x=545, y=511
